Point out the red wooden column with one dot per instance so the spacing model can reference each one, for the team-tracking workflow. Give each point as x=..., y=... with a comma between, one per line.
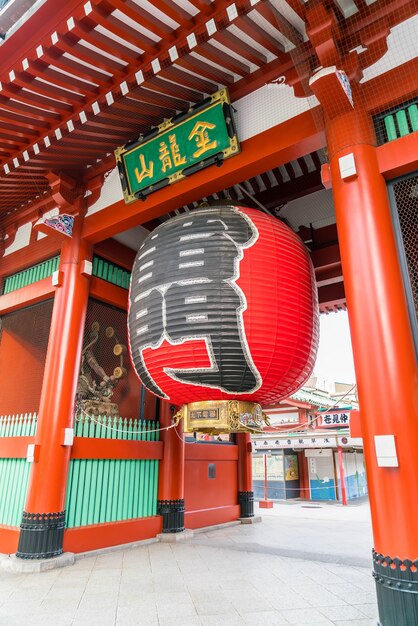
x=245, y=475
x=342, y=475
x=171, y=473
x=384, y=357
x=43, y=521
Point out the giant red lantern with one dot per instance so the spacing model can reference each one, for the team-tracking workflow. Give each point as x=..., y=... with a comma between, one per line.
x=223, y=308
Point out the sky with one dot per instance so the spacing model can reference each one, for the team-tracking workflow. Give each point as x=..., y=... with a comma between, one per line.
x=335, y=358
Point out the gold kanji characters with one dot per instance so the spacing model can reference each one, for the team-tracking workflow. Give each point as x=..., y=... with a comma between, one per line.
x=200, y=132
x=146, y=171
x=170, y=155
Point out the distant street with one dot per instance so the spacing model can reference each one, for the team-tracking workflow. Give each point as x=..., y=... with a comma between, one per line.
x=325, y=531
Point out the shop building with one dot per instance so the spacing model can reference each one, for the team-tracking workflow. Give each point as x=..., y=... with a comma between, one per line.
x=307, y=449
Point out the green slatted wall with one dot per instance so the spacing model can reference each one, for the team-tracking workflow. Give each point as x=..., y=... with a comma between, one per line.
x=397, y=123
x=18, y=425
x=111, y=272
x=101, y=268
x=107, y=427
x=105, y=490
x=101, y=490
x=30, y=275
x=14, y=473
x=14, y=478
x=98, y=490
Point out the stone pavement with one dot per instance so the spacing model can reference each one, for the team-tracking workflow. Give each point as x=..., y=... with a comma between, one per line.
x=233, y=575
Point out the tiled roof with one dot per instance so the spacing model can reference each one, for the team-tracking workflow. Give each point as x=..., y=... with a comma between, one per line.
x=317, y=399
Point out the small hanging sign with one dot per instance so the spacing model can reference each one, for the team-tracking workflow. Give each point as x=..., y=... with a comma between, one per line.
x=187, y=143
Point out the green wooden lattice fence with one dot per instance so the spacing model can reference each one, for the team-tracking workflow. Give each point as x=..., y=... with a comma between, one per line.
x=103, y=269
x=397, y=122
x=14, y=473
x=107, y=427
x=98, y=490
x=111, y=272
x=401, y=123
x=14, y=478
x=18, y=425
x=104, y=490
x=30, y=275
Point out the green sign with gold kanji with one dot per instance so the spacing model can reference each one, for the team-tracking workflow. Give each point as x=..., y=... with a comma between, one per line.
x=181, y=146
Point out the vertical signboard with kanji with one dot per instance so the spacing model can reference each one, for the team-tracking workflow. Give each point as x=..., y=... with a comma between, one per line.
x=203, y=136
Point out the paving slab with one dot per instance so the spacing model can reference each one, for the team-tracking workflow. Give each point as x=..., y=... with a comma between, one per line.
x=278, y=572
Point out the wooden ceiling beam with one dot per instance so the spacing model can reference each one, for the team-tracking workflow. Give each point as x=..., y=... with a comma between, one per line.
x=195, y=82
x=240, y=47
x=38, y=102
x=55, y=56
x=43, y=70
x=33, y=113
x=215, y=74
x=103, y=17
x=30, y=82
x=291, y=190
x=104, y=43
x=253, y=30
x=229, y=63
x=141, y=17
x=332, y=297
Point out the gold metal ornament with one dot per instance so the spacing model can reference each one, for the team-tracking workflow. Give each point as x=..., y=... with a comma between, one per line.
x=223, y=416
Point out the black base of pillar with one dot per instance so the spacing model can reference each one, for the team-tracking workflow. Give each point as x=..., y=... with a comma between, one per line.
x=41, y=535
x=397, y=590
x=172, y=512
x=246, y=502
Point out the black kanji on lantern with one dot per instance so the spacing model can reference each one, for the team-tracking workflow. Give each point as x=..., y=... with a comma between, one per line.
x=183, y=288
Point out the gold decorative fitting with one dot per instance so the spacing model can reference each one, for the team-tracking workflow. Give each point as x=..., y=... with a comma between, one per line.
x=223, y=416
x=178, y=416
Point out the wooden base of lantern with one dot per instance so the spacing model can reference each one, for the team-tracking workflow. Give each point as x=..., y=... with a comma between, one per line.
x=222, y=416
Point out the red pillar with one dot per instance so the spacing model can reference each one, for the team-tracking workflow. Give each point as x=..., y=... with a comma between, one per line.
x=43, y=519
x=342, y=476
x=245, y=475
x=303, y=476
x=384, y=357
x=171, y=473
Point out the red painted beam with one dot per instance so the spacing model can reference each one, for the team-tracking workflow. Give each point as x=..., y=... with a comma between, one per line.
x=331, y=297
x=14, y=447
x=26, y=296
x=398, y=157
x=326, y=258
x=109, y=293
x=210, y=517
x=403, y=81
x=282, y=143
x=116, y=252
x=89, y=448
x=290, y=190
x=210, y=452
x=329, y=276
x=9, y=538
x=41, y=250
x=98, y=536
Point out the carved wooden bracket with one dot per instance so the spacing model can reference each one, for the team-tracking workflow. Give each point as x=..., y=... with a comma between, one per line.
x=65, y=190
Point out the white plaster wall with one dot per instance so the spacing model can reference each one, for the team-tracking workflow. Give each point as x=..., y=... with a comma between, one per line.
x=21, y=240
x=402, y=47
